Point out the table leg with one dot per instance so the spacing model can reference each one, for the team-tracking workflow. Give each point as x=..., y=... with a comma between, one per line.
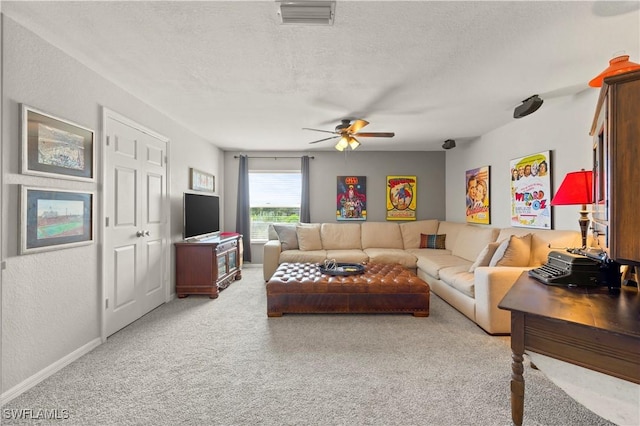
x=517, y=380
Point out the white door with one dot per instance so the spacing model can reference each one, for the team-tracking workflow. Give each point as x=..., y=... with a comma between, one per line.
x=136, y=221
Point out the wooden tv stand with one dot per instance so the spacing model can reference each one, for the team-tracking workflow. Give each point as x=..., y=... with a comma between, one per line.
x=209, y=265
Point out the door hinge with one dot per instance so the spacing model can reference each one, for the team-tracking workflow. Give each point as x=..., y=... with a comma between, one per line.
x=106, y=222
x=107, y=140
x=106, y=303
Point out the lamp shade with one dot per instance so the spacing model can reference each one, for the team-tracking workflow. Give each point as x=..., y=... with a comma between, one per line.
x=618, y=65
x=576, y=188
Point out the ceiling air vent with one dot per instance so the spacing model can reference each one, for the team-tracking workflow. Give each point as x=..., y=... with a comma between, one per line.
x=307, y=12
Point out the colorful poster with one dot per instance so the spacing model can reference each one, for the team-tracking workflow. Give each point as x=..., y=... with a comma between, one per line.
x=478, y=200
x=351, y=203
x=531, y=191
x=401, y=197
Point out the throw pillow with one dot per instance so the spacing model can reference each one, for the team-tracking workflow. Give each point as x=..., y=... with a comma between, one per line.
x=485, y=256
x=287, y=236
x=309, y=237
x=433, y=241
x=514, y=251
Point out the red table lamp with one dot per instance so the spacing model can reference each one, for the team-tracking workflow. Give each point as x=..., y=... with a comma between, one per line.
x=577, y=188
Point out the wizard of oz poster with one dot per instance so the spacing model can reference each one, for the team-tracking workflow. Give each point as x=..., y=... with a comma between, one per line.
x=478, y=201
x=401, y=197
x=531, y=191
x=351, y=202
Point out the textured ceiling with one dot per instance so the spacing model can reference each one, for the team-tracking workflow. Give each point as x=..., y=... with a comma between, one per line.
x=426, y=70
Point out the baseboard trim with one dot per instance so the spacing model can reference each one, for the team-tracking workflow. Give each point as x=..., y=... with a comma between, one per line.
x=30, y=382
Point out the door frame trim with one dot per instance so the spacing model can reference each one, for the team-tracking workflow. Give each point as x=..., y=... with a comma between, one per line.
x=110, y=114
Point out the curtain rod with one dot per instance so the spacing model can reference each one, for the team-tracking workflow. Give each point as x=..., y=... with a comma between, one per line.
x=275, y=157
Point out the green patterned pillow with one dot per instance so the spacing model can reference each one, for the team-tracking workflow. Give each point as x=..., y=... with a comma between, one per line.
x=433, y=241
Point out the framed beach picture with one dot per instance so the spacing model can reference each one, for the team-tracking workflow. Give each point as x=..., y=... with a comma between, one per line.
x=55, y=147
x=201, y=181
x=401, y=197
x=478, y=200
x=531, y=191
x=351, y=200
x=52, y=219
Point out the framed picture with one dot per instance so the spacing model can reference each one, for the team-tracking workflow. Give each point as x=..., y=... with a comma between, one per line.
x=55, y=147
x=52, y=219
x=478, y=195
x=201, y=181
x=401, y=197
x=531, y=191
x=351, y=201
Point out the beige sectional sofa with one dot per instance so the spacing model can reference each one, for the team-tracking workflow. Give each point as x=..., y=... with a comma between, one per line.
x=459, y=273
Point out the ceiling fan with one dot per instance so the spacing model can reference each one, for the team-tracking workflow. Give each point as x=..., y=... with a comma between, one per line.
x=347, y=131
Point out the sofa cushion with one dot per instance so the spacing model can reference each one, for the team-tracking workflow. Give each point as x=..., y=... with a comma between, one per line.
x=381, y=235
x=451, y=229
x=471, y=240
x=485, y=256
x=429, y=252
x=433, y=241
x=386, y=255
x=411, y=231
x=287, y=235
x=516, y=251
x=348, y=256
x=459, y=278
x=340, y=236
x=299, y=256
x=433, y=264
x=309, y=237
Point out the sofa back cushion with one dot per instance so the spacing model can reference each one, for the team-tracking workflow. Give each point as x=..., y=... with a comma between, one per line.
x=543, y=241
x=309, y=236
x=515, y=251
x=451, y=230
x=381, y=235
x=411, y=231
x=471, y=240
x=340, y=236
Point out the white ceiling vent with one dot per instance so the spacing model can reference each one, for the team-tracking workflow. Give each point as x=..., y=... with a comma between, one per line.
x=307, y=12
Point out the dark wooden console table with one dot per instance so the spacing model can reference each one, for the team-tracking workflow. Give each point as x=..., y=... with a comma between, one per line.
x=588, y=327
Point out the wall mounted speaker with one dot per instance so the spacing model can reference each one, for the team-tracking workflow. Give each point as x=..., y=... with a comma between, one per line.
x=529, y=105
x=449, y=143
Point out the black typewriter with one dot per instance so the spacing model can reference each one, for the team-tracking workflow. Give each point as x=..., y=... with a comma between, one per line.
x=570, y=268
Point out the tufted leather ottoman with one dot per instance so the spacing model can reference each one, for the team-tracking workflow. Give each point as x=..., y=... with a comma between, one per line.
x=383, y=288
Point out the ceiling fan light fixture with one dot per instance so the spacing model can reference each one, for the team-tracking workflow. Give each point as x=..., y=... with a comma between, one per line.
x=353, y=143
x=618, y=65
x=342, y=143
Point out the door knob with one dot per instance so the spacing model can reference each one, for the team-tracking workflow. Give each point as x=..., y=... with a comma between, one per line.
x=140, y=234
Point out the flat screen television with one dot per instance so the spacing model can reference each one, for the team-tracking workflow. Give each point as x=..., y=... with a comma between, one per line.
x=201, y=215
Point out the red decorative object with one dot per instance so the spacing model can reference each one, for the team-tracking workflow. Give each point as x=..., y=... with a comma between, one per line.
x=618, y=65
x=577, y=188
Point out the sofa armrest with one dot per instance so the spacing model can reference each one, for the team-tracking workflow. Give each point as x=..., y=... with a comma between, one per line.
x=491, y=284
x=271, y=258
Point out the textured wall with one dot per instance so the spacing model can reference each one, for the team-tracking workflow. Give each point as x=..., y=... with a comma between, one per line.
x=51, y=301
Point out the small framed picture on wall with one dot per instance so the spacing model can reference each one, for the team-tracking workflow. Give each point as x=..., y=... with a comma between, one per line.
x=478, y=201
x=201, y=181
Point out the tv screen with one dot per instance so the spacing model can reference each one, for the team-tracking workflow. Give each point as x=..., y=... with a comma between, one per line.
x=201, y=215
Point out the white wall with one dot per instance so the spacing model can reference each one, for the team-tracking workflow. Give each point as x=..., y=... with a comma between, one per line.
x=561, y=125
x=51, y=301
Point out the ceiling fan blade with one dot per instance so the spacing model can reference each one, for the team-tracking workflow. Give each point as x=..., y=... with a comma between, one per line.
x=356, y=125
x=325, y=139
x=318, y=130
x=376, y=135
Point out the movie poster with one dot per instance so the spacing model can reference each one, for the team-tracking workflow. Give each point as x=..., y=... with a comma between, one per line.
x=478, y=200
x=531, y=191
x=351, y=201
x=401, y=197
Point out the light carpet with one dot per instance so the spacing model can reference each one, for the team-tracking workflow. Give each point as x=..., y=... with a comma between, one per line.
x=224, y=362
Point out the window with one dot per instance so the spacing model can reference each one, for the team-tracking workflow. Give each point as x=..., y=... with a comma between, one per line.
x=275, y=199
